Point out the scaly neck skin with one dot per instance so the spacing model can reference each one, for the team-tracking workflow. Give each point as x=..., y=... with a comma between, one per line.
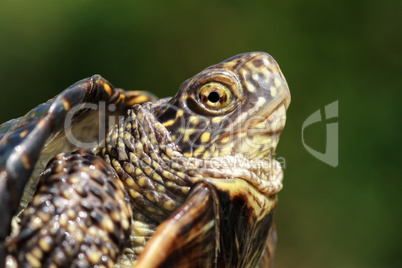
x=158, y=177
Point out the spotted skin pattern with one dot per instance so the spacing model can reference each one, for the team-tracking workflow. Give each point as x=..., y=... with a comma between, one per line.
x=197, y=171
x=22, y=140
x=257, y=88
x=81, y=202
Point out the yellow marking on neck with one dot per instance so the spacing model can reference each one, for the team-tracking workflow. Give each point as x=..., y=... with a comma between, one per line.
x=142, y=181
x=166, y=174
x=107, y=224
x=133, y=193
x=187, y=133
x=217, y=119
x=188, y=154
x=160, y=189
x=185, y=189
x=150, y=197
x=157, y=177
x=169, y=151
x=205, y=137
x=148, y=171
x=225, y=139
x=168, y=123
x=151, y=209
x=186, y=137
x=115, y=216
x=169, y=205
x=179, y=113
x=138, y=171
x=225, y=150
x=129, y=181
x=199, y=150
x=206, y=155
x=194, y=120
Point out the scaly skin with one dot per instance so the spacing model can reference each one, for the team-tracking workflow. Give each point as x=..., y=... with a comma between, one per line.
x=80, y=215
x=162, y=150
x=198, y=170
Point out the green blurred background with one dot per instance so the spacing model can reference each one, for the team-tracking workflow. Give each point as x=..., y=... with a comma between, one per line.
x=350, y=51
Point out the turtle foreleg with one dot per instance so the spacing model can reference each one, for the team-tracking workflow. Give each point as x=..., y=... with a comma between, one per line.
x=79, y=216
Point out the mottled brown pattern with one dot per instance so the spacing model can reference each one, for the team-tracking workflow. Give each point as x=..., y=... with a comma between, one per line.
x=193, y=175
x=79, y=217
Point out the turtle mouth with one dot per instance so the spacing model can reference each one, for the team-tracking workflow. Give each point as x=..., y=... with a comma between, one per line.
x=265, y=176
x=271, y=124
x=258, y=135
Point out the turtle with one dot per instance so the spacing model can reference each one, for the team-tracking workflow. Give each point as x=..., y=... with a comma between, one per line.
x=102, y=177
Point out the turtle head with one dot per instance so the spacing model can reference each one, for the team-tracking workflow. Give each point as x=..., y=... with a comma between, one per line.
x=237, y=107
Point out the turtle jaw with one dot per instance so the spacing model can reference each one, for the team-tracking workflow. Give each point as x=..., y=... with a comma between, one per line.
x=265, y=84
x=257, y=137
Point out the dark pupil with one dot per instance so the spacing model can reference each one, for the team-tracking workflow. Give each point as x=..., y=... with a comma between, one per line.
x=213, y=97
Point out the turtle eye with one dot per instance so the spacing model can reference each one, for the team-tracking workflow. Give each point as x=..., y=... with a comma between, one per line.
x=214, y=95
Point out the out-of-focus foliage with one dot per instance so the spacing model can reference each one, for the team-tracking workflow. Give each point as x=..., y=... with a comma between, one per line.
x=350, y=51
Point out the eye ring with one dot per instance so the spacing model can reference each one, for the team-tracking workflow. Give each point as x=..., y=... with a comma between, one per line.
x=214, y=95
